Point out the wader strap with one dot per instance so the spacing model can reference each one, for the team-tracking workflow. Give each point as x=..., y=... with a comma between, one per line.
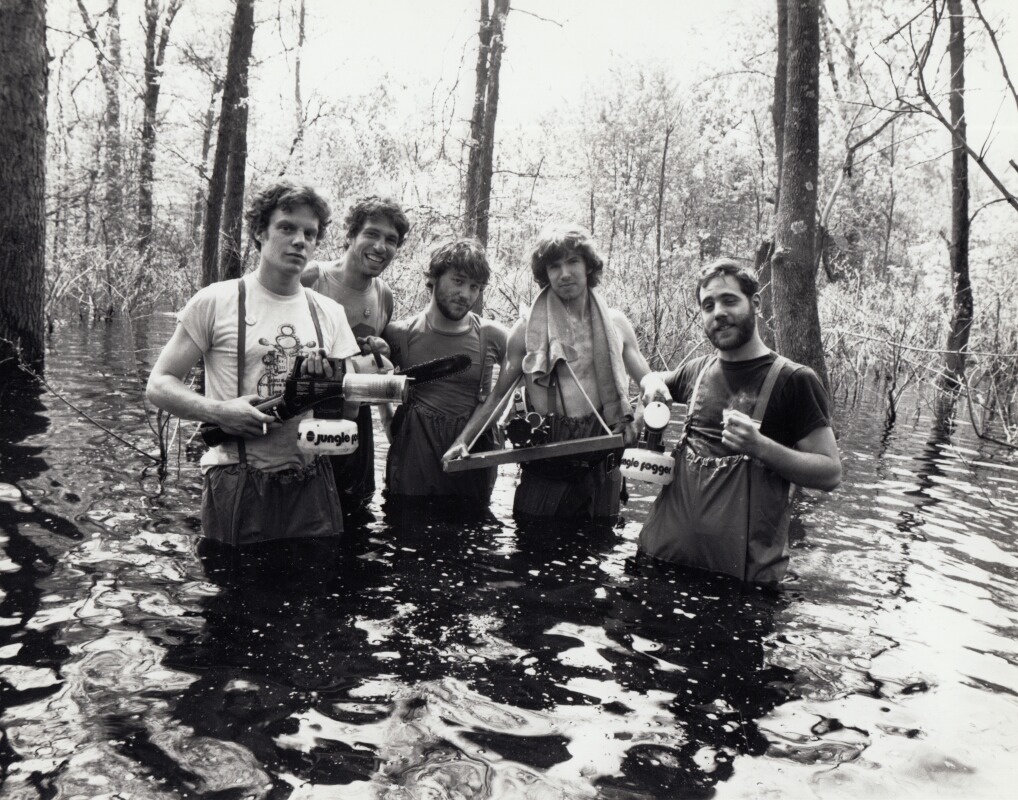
x=314, y=318
x=241, y=346
x=241, y=446
x=691, y=407
x=482, y=347
x=763, y=398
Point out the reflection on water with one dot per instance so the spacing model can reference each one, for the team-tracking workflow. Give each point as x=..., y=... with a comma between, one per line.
x=440, y=654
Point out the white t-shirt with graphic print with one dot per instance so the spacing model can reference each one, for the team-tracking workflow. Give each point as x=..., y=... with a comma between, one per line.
x=279, y=328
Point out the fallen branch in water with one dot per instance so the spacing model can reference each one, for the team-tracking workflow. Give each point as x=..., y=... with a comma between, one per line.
x=33, y=374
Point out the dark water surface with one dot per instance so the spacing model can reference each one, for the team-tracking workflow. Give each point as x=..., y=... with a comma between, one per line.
x=447, y=657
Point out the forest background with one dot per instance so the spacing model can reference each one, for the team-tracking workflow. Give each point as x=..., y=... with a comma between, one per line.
x=658, y=124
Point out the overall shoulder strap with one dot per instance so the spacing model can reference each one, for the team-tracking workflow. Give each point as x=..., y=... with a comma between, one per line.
x=313, y=307
x=780, y=363
x=691, y=405
x=482, y=354
x=241, y=347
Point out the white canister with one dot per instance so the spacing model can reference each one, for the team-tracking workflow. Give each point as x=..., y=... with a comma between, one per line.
x=329, y=437
x=648, y=466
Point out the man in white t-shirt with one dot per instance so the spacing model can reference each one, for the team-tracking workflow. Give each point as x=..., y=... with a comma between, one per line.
x=260, y=487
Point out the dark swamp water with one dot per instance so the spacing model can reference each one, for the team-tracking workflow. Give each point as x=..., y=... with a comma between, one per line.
x=446, y=657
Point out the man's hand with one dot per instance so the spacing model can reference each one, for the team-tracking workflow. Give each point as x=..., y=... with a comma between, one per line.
x=317, y=364
x=458, y=450
x=239, y=417
x=653, y=387
x=374, y=344
x=741, y=433
x=628, y=430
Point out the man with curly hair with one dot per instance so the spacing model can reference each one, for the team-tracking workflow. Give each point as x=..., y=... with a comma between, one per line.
x=375, y=230
x=260, y=487
x=577, y=357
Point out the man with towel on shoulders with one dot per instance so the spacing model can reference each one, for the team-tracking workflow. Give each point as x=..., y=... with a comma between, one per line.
x=577, y=356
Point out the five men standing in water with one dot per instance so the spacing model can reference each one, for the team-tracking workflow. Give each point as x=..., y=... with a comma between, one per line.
x=756, y=422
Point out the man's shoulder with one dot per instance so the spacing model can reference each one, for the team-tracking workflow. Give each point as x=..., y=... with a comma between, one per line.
x=492, y=325
x=214, y=293
x=404, y=323
x=326, y=303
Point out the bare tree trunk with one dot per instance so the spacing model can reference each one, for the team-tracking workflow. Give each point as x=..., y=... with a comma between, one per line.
x=23, y=84
x=156, y=40
x=479, y=179
x=473, y=182
x=241, y=37
x=778, y=123
x=797, y=321
x=962, y=306
x=659, y=260
x=233, y=206
x=298, y=101
x=209, y=124
x=109, y=64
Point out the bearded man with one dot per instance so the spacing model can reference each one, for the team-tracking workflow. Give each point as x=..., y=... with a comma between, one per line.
x=756, y=423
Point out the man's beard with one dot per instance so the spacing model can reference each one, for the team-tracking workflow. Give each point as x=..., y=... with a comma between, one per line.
x=744, y=329
x=450, y=311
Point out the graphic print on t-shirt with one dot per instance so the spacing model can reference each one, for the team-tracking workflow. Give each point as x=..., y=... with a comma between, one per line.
x=279, y=360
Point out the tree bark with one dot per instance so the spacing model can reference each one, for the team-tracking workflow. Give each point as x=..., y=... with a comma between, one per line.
x=473, y=182
x=109, y=63
x=156, y=40
x=796, y=318
x=241, y=37
x=478, y=193
x=233, y=206
x=962, y=305
x=23, y=85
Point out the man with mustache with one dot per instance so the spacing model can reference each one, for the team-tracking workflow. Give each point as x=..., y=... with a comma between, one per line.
x=375, y=230
x=756, y=423
x=423, y=429
x=577, y=357
x=260, y=487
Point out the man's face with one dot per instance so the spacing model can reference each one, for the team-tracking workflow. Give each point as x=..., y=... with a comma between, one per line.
x=289, y=240
x=567, y=276
x=373, y=248
x=455, y=294
x=729, y=317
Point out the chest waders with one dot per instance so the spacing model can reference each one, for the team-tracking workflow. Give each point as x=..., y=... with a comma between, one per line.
x=244, y=470
x=725, y=514
x=420, y=436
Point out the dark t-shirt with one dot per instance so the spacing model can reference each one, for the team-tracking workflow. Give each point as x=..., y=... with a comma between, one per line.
x=413, y=341
x=798, y=404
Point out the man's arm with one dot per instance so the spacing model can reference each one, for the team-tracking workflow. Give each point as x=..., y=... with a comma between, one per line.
x=636, y=364
x=309, y=277
x=167, y=391
x=814, y=462
x=510, y=373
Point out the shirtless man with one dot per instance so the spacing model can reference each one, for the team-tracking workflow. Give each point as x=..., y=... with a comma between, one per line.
x=577, y=356
x=375, y=230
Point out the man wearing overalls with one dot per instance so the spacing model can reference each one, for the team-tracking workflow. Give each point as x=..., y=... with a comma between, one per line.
x=259, y=487
x=756, y=424
x=424, y=428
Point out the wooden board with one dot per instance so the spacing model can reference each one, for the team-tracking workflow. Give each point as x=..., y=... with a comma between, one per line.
x=538, y=452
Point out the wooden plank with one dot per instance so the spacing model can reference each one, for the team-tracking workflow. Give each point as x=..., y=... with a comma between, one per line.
x=594, y=444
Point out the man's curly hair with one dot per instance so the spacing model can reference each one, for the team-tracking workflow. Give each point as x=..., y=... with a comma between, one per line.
x=364, y=208
x=286, y=194
x=558, y=241
x=462, y=255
